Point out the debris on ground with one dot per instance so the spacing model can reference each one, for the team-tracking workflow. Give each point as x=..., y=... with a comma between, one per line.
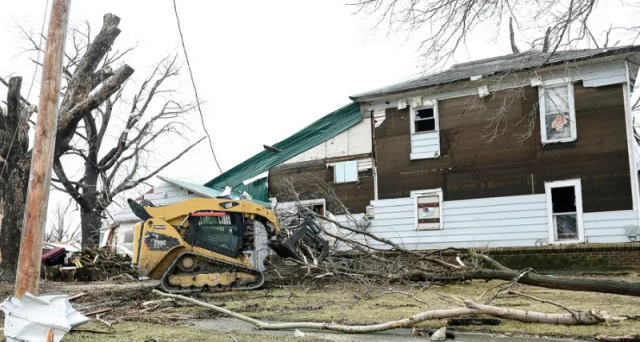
x=31, y=318
x=87, y=265
x=439, y=335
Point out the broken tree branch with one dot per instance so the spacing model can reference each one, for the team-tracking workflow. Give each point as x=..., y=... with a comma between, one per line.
x=470, y=308
x=574, y=313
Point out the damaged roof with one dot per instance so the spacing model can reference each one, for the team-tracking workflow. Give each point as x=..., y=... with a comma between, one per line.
x=493, y=66
x=324, y=129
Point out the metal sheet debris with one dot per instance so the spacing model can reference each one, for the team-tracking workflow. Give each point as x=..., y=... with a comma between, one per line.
x=30, y=318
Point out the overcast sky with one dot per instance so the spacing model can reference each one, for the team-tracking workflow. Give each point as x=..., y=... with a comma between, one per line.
x=265, y=69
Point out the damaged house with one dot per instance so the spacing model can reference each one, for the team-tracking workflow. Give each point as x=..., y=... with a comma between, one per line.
x=524, y=150
x=524, y=154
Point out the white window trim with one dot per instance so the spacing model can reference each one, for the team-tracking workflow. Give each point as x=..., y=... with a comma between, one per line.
x=578, y=193
x=415, y=194
x=572, y=110
x=427, y=104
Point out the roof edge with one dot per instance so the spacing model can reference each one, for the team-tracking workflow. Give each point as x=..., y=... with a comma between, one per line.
x=357, y=98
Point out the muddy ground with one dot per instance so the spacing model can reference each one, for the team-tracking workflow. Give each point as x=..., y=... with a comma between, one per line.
x=345, y=303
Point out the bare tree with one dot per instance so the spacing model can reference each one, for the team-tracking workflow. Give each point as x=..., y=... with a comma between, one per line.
x=112, y=167
x=60, y=229
x=444, y=26
x=94, y=76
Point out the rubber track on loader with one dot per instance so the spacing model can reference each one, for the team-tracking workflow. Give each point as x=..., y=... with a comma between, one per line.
x=164, y=281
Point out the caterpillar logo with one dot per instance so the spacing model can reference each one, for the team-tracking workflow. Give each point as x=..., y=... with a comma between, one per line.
x=228, y=205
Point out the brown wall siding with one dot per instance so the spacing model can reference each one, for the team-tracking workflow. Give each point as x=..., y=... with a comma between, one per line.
x=472, y=167
x=355, y=196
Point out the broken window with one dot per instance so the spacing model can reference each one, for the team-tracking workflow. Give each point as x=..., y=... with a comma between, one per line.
x=425, y=120
x=428, y=209
x=557, y=113
x=565, y=210
x=346, y=172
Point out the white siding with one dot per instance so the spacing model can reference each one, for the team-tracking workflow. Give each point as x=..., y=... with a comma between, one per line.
x=163, y=194
x=356, y=140
x=610, y=226
x=487, y=222
x=425, y=145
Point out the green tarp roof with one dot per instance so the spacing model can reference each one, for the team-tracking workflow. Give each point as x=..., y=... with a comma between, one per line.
x=326, y=128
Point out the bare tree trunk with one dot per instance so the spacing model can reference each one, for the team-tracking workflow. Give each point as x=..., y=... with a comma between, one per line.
x=91, y=222
x=91, y=219
x=533, y=279
x=14, y=179
x=13, y=192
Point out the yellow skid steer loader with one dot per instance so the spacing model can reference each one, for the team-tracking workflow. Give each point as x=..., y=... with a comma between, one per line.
x=199, y=243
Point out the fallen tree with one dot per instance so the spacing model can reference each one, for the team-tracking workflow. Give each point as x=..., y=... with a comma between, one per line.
x=469, y=308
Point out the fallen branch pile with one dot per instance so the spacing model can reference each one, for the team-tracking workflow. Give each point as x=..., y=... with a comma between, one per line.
x=373, y=258
x=92, y=265
x=469, y=308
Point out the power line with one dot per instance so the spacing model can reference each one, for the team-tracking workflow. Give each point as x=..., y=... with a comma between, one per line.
x=33, y=79
x=195, y=90
x=35, y=71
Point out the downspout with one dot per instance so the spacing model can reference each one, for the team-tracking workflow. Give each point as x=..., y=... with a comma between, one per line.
x=633, y=168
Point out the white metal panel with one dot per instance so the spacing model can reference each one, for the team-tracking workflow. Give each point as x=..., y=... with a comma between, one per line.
x=428, y=155
x=337, y=146
x=314, y=153
x=166, y=194
x=425, y=145
x=484, y=222
x=359, y=138
x=609, y=226
x=365, y=164
x=391, y=202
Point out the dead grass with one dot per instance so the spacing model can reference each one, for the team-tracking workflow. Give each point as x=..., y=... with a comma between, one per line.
x=343, y=303
x=353, y=305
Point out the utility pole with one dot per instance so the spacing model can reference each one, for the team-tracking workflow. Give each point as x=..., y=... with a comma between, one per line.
x=35, y=215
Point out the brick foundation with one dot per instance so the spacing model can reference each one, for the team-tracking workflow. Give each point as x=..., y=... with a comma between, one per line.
x=571, y=258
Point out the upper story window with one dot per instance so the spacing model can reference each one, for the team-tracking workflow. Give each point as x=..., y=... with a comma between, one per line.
x=425, y=118
x=346, y=172
x=425, y=137
x=557, y=112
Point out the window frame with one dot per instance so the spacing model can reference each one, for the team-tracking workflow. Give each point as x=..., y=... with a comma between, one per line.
x=426, y=105
x=572, y=110
x=577, y=185
x=335, y=172
x=417, y=193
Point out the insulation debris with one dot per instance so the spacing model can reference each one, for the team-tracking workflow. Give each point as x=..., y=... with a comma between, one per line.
x=30, y=318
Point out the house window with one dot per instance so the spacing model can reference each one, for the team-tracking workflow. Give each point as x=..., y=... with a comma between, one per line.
x=346, y=172
x=424, y=120
x=428, y=209
x=564, y=207
x=425, y=138
x=557, y=113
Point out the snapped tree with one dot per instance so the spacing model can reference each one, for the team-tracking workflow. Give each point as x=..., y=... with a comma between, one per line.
x=93, y=86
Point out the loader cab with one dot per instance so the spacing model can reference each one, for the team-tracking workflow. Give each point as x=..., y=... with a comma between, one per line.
x=219, y=232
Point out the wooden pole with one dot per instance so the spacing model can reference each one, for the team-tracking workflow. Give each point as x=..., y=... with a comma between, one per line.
x=35, y=215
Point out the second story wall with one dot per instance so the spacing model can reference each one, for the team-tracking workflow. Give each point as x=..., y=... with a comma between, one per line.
x=471, y=165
